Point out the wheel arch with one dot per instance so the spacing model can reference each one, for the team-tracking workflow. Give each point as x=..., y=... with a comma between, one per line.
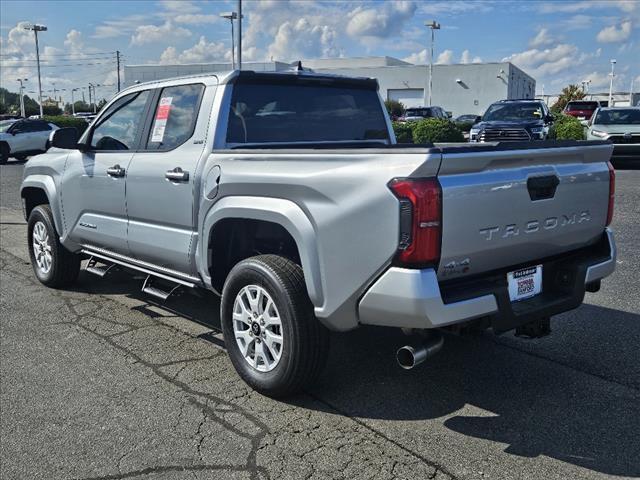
x=38, y=190
x=283, y=213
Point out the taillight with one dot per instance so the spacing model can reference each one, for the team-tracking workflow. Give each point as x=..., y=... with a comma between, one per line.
x=612, y=192
x=420, y=220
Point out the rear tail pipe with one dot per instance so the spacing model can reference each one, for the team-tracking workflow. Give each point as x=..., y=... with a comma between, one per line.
x=409, y=356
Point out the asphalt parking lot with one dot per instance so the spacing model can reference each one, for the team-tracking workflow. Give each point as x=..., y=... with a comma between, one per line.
x=100, y=382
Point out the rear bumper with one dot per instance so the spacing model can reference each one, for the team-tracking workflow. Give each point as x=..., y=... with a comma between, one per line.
x=410, y=298
x=626, y=152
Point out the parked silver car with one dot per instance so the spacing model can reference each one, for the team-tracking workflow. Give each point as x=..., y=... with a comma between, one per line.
x=619, y=125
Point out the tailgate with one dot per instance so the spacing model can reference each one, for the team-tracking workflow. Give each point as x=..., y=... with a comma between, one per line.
x=513, y=207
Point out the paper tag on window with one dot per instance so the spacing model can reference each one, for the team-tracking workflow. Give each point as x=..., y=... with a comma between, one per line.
x=162, y=115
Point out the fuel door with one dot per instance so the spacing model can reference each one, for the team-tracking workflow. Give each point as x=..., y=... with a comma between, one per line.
x=211, y=182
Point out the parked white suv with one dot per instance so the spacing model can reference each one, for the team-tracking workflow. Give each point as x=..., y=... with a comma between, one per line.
x=20, y=138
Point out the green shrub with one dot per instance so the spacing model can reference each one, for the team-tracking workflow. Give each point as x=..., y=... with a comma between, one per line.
x=567, y=127
x=465, y=126
x=432, y=130
x=394, y=108
x=65, y=122
x=403, y=131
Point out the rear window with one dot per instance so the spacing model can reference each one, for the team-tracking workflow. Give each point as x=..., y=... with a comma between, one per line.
x=582, y=105
x=272, y=113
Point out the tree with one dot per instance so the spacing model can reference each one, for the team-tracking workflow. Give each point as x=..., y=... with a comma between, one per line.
x=79, y=106
x=395, y=108
x=570, y=93
x=101, y=104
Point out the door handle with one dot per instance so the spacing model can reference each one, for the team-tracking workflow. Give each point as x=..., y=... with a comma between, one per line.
x=177, y=175
x=115, y=171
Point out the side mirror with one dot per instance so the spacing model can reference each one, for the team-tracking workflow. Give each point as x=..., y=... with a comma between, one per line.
x=478, y=119
x=550, y=119
x=66, y=138
x=585, y=123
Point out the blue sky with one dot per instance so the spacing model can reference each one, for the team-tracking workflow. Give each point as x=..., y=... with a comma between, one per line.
x=557, y=42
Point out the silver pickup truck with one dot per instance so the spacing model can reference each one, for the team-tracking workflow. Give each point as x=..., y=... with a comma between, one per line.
x=287, y=195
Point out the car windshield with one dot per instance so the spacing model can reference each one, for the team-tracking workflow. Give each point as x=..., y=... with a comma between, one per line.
x=513, y=112
x=623, y=116
x=582, y=105
x=419, y=112
x=5, y=124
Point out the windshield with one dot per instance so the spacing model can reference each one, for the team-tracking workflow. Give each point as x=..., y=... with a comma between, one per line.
x=272, y=113
x=513, y=112
x=419, y=112
x=582, y=105
x=624, y=116
x=5, y=124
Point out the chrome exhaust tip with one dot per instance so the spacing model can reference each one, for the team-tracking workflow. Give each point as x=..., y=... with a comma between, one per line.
x=409, y=356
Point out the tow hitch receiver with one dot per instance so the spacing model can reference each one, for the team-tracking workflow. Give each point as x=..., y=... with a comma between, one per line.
x=535, y=329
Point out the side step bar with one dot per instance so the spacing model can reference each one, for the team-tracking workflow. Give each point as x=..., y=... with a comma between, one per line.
x=99, y=270
x=150, y=289
x=186, y=280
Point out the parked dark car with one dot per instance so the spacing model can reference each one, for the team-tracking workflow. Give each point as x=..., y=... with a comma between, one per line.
x=418, y=113
x=467, y=118
x=513, y=121
x=582, y=109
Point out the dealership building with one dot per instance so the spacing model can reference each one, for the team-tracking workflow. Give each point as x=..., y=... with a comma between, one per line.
x=459, y=88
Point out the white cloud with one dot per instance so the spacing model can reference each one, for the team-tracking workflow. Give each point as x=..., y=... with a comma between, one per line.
x=121, y=27
x=196, y=19
x=613, y=34
x=466, y=58
x=380, y=22
x=590, y=5
x=419, y=58
x=301, y=39
x=542, y=38
x=155, y=33
x=445, y=58
x=576, y=22
x=201, y=52
x=549, y=61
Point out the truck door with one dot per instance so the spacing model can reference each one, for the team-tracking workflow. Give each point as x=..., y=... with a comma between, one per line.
x=162, y=179
x=94, y=179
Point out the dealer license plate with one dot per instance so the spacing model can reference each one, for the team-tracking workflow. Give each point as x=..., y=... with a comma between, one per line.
x=525, y=283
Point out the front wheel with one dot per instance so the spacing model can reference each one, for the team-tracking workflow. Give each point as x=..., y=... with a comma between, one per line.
x=274, y=340
x=54, y=265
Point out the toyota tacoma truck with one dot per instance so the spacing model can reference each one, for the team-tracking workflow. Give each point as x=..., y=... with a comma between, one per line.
x=287, y=195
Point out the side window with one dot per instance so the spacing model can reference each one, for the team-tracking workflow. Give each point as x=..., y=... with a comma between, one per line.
x=40, y=127
x=175, y=116
x=119, y=127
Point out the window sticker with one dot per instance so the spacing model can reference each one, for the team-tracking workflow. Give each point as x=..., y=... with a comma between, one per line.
x=162, y=115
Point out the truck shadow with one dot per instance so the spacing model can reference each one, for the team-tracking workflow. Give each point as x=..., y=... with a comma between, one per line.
x=563, y=397
x=573, y=396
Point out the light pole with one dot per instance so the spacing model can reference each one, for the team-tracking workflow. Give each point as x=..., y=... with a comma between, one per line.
x=36, y=29
x=22, y=114
x=90, y=86
x=239, y=34
x=612, y=74
x=73, y=103
x=433, y=25
x=231, y=16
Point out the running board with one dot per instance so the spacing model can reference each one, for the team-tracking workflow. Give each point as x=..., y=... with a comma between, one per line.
x=115, y=259
x=150, y=289
x=99, y=270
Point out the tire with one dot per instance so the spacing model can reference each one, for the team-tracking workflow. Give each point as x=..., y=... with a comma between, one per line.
x=20, y=157
x=304, y=343
x=54, y=265
x=4, y=153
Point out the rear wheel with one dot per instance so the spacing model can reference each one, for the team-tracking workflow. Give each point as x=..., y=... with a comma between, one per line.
x=54, y=265
x=4, y=153
x=274, y=340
